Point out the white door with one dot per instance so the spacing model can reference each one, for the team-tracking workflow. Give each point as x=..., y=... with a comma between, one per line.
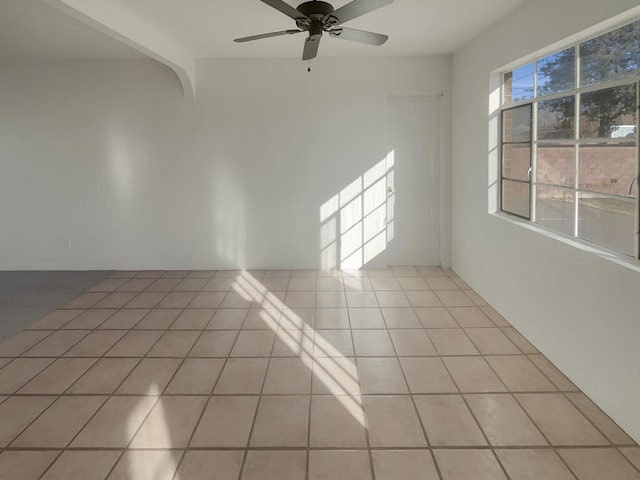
x=413, y=188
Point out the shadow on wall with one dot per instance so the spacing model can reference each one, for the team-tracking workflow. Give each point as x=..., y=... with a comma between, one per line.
x=357, y=224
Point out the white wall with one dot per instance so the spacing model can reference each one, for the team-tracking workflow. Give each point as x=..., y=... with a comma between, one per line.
x=108, y=155
x=579, y=309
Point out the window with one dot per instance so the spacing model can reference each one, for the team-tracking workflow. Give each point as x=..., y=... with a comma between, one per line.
x=570, y=140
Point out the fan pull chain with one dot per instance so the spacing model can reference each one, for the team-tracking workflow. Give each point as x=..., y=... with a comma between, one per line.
x=309, y=67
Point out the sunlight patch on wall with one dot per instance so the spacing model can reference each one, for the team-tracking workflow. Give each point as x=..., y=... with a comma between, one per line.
x=356, y=224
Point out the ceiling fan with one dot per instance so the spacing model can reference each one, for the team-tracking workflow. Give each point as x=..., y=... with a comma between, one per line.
x=317, y=17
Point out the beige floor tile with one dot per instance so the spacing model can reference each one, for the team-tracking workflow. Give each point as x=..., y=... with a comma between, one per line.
x=108, y=285
x=58, y=376
x=21, y=342
x=357, y=284
x=533, y=464
x=521, y=342
x=552, y=373
x=423, y=298
x=124, y=319
x=146, y=465
x=57, y=343
x=435, y=317
x=632, y=454
x=332, y=343
x=329, y=283
x=135, y=285
x=116, y=423
x=57, y=426
x=115, y=300
x=226, y=422
x=495, y=317
x=170, y=423
x=503, y=421
x=214, y=344
x=337, y=422
x=302, y=283
x=299, y=343
x=393, y=422
x=336, y=376
x=253, y=343
x=262, y=319
x=158, y=319
x=207, y=300
x=104, y=377
x=404, y=464
x=25, y=465
x=275, y=465
x=17, y=413
x=176, y=274
x=87, y=300
x=331, y=299
x=613, y=432
x=281, y=421
x=412, y=343
x=96, y=344
x=196, y=376
x=135, y=343
x=519, y=374
x=193, y=319
x=393, y=299
x=228, y=319
x=146, y=300
x=441, y=283
x=404, y=271
x=598, y=464
x=174, y=344
x=55, y=319
x=289, y=376
x=20, y=371
x=559, y=420
x=473, y=375
x=366, y=318
x=90, y=319
x=150, y=377
x=450, y=341
x=469, y=317
x=85, y=465
x=242, y=376
x=381, y=375
x=191, y=285
x=275, y=284
x=448, y=422
x=427, y=375
x=413, y=283
x=430, y=271
x=454, y=298
x=363, y=299
x=468, y=465
x=331, y=318
x=401, y=318
x=297, y=318
x=210, y=465
x=163, y=285
x=218, y=284
x=491, y=341
x=385, y=283
x=177, y=300
x=339, y=465
x=461, y=283
x=300, y=299
x=373, y=343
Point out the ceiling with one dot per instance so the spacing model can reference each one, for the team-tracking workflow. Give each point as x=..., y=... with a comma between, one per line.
x=206, y=28
x=31, y=29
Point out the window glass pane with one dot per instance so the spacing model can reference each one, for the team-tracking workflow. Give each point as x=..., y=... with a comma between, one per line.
x=610, y=56
x=556, y=164
x=516, y=198
x=518, y=84
x=556, y=119
x=557, y=72
x=608, y=113
x=609, y=168
x=516, y=161
x=555, y=208
x=516, y=124
x=607, y=221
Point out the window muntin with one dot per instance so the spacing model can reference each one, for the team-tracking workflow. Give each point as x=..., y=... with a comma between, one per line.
x=583, y=146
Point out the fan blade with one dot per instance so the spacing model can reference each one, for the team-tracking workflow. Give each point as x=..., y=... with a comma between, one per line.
x=267, y=35
x=358, y=36
x=357, y=8
x=311, y=45
x=285, y=8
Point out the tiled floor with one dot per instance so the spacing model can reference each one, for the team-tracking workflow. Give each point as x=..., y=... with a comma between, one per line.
x=285, y=375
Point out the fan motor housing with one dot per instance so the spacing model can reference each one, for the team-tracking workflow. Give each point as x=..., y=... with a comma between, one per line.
x=315, y=10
